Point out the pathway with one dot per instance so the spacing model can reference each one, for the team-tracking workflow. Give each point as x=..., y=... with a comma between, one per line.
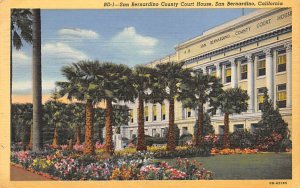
x=20, y=174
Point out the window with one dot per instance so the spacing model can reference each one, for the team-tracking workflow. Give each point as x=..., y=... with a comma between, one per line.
x=163, y=111
x=281, y=61
x=281, y=96
x=146, y=113
x=261, y=66
x=260, y=97
x=162, y=132
x=188, y=112
x=131, y=115
x=244, y=69
x=238, y=127
x=228, y=74
x=221, y=129
x=146, y=130
x=153, y=132
x=154, y=112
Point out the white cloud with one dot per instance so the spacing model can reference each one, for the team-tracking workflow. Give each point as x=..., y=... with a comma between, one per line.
x=61, y=51
x=77, y=32
x=20, y=57
x=131, y=42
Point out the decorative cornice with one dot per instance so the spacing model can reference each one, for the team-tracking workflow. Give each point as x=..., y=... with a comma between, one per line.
x=249, y=41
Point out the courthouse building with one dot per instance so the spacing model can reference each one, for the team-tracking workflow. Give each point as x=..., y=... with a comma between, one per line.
x=251, y=52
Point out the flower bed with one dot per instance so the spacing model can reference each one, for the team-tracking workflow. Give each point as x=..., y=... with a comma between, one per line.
x=228, y=151
x=73, y=165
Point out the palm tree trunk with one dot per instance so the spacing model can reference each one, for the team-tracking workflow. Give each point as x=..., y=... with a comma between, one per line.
x=199, y=134
x=141, y=132
x=70, y=144
x=88, y=141
x=36, y=80
x=55, y=138
x=171, y=146
x=109, y=148
x=77, y=133
x=226, y=131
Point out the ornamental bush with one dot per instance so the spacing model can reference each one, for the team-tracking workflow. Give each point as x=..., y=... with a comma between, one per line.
x=241, y=139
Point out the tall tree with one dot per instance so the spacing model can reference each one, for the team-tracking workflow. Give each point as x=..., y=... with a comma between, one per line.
x=169, y=77
x=36, y=80
x=272, y=120
x=81, y=85
x=233, y=100
x=21, y=30
x=117, y=86
x=142, y=83
x=195, y=92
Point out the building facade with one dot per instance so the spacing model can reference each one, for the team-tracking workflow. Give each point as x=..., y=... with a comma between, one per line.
x=251, y=52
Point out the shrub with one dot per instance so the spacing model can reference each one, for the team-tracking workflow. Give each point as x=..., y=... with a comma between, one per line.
x=149, y=140
x=185, y=138
x=241, y=139
x=189, y=152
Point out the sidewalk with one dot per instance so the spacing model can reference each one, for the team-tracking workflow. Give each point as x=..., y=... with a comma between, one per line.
x=20, y=174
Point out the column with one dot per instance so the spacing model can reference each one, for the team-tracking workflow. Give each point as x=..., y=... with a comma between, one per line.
x=218, y=74
x=223, y=73
x=269, y=73
x=250, y=77
x=288, y=47
x=209, y=71
x=218, y=70
x=234, y=83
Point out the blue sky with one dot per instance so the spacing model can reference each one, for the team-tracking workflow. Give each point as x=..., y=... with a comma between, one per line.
x=121, y=36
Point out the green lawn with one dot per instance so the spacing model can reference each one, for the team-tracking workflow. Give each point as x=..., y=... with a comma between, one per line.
x=247, y=166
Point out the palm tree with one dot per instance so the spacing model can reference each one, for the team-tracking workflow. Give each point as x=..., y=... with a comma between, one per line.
x=81, y=85
x=233, y=100
x=195, y=92
x=56, y=116
x=36, y=80
x=142, y=83
x=117, y=86
x=169, y=77
x=21, y=30
x=76, y=119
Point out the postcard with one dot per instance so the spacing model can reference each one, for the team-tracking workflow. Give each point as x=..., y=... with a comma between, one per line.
x=149, y=93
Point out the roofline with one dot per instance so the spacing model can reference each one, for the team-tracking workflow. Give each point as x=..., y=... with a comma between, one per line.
x=225, y=26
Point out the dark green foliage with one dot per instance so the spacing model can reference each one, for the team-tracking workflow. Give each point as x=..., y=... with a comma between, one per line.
x=65, y=117
x=21, y=122
x=273, y=133
x=241, y=139
x=21, y=27
x=233, y=100
x=207, y=126
x=149, y=140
